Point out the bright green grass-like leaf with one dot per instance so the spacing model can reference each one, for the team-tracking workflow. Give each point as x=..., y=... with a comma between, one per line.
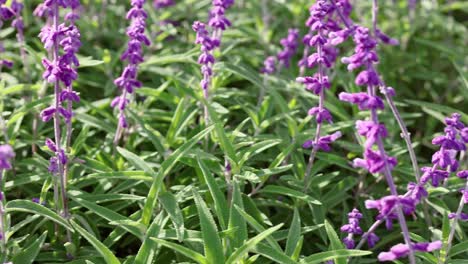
x=294, y=234
x=169, y=202
x=235, y=219
x=34, y=208
x=166, y=166
x=275, y=189
x=271, y=253
x=335, y=242
x=148, y=248
x=241, y=252
x=334, y=254
x=108, y=256
x=110, y=216
x=184, y=251
x=259, y=228
x=28, y=255
x=213, y=247
x=221, y=206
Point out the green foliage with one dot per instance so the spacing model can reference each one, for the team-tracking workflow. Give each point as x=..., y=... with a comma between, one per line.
x=165, y=195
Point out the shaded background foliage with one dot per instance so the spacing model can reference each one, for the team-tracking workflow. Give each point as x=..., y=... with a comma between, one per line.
x=428, y=71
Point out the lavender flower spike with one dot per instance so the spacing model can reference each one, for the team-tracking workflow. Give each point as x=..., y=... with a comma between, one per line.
x=210, y=41
x=62, y=41
x=128, y=81
x=375, y=161
x=322, y=24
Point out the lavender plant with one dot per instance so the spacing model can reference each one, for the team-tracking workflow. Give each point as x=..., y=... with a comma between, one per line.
x=166, y=197
x=128, y=81
x=62, y=39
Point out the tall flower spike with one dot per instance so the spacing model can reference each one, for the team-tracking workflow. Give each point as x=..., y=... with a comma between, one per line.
x=375, y=161
x=128, y=81
x=321, y=25
x=62, y=40
x=210, y=41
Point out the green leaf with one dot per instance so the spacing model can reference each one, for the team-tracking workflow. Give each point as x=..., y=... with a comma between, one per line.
x=34, y=208
x=183, y=250
x=242, y=252
x=29, y=254
x=148, y=247
x=171, y=206
x=166, y=167
x=108, y=256
x=110, y=216
x=235, y=218
x=224, y=141
x=259, y=228
x=275, y=189
x=294, y=234
x=276, y=255
x=335, y=242
x=136, y=161
x=213, y=247
x=334, y=255
x=221, y=206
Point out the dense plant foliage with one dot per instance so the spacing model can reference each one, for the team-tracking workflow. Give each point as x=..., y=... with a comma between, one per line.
x=185, y=131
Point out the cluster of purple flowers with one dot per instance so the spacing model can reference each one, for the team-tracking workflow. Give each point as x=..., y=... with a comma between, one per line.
x=128, y=81
x=402, y=250
x=218, y=23
x=60, y=70
x=284, y=56
x=163, y=3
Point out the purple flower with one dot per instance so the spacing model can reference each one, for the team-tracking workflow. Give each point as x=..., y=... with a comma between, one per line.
x=321, y=114
x=463, y=216
x=436, y=176
x=6, y=155
x=386, y=205
x=323, y=143
x=348, y=242
x=374, y=161
x=362, y=100
x=371, y=131
x=402, y=250
x=314, y=84
x=463, y=174
x=269, y=65
x=289, y=44
x=163, y=3
x=352, y=228
x=372, y=240
x=416, y=191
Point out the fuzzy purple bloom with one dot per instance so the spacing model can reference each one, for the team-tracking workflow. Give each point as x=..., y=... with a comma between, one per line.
x=289, y=44
x=269, y=65
x=163, y=3
x=6, y=155
x=402, y=250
